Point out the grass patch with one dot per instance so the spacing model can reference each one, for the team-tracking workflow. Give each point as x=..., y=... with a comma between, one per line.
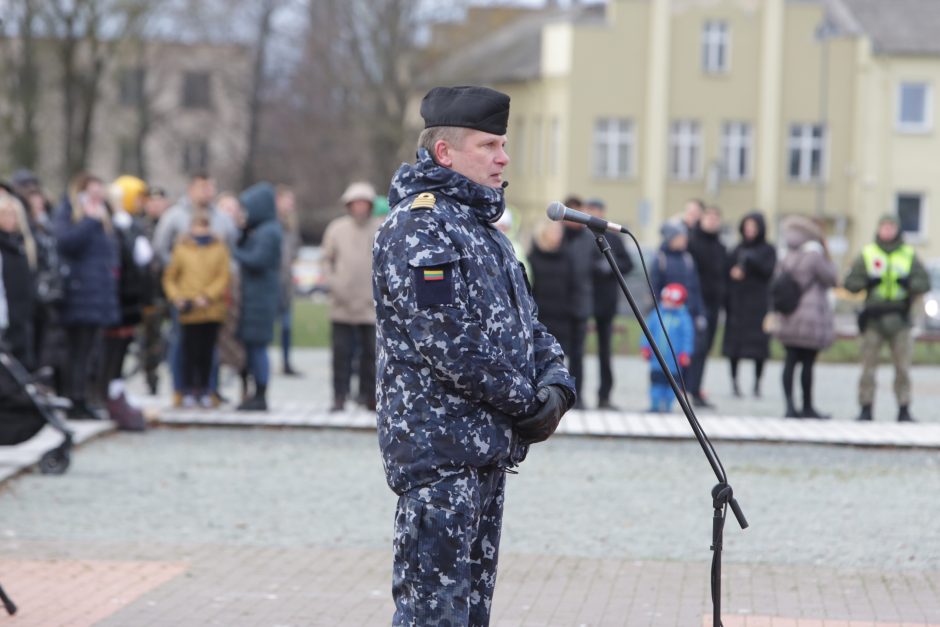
x=312, y=330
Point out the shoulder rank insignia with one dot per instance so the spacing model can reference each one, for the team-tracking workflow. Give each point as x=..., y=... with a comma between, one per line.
x=424, y=200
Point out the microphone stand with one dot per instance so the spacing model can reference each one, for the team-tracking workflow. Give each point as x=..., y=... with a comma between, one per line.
x=722, y=494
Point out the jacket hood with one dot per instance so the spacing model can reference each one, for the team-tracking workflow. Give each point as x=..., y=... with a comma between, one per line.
x=425, y=175
x=761, y=228
x=797, y=230
x=889, y=246
x=258, y=201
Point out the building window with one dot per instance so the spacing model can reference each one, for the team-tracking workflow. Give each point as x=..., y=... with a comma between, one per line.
x=196, y=90
x=131, y=86
x=685, y=150
x=537, y=149
x=914, y=106
x=715, y=45
x=613, y=148
x=554, y=145
x=805, y=146
x=736, y=151
x=911, y=214
x=128, y=163
x=195, y=157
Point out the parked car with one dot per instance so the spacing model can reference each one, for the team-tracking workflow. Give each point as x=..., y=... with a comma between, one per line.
x=308, y=273
x=931, y=300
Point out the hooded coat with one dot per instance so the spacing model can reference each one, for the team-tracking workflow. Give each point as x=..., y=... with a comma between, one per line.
x=748, y=300
x=18, y=282
x=460, y=351
x=812, y=324
x=90, y=253
x=259, y=258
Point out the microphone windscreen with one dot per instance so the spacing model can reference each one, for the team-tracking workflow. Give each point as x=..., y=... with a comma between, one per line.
x=555, y=211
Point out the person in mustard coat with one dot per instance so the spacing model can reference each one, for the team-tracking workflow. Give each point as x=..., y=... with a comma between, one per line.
x=195, y=282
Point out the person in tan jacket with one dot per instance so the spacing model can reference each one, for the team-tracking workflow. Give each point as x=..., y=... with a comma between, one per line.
x=195, y=282
x=347, y=266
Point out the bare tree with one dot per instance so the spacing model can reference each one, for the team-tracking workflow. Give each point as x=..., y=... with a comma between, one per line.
x=85, y=34
x=21, y=81
x=268, y=7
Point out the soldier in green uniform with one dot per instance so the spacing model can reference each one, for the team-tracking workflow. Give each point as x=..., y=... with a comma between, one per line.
x=890, y=273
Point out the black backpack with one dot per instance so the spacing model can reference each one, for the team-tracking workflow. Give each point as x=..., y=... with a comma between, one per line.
x=785, y=293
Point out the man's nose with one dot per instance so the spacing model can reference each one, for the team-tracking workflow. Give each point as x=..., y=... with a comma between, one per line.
x=503, y=157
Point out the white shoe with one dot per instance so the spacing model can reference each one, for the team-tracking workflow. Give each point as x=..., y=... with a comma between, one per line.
x=205, y=401
x=189, y=401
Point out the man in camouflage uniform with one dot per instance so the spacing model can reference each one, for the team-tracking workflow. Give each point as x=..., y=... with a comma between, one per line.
x=892, y=275
x=468, y=377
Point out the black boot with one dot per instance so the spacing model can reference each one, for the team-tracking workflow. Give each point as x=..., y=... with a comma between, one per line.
x=735, y=389
x=865, y=415
x=256, y=402
x=810, y=412
x=904, y=415
x=791, y=408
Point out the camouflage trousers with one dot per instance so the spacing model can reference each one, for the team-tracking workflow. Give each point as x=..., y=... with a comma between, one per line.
x=902, y=353
x=446, y=548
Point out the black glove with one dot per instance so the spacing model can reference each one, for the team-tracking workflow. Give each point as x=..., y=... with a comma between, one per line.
x=873, y=281
x=542, y=424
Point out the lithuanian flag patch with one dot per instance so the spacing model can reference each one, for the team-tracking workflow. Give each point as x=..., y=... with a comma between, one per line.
x=434, y=274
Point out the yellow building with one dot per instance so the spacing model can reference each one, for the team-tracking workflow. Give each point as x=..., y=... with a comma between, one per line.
x=823, y=107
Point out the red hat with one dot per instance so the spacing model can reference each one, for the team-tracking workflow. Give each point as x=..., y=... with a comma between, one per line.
x=674, y=294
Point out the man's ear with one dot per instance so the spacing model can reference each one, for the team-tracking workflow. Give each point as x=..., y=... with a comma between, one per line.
x=442, y=154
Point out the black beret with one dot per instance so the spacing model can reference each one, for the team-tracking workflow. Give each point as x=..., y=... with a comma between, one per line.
x=468, y=106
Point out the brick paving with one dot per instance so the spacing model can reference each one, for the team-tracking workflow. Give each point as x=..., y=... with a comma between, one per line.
x=60, y=580
x=330, y=586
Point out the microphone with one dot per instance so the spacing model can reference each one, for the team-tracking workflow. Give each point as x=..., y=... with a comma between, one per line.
x=557, y=212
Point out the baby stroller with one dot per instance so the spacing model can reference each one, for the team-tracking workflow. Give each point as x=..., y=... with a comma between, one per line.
x=26, y=406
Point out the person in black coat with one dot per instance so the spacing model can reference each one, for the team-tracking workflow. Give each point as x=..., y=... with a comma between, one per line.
x=711, y=261
x=87, y=246
x=578, y=244
x=552, y=280
x=606, y=296
x=752, y=265
x=18, y=253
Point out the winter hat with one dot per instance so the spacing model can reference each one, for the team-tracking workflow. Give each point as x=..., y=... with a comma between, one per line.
x=671, y=230
x=360, y=190
x=24, y=178
x=127, y=191
x=468, y=106
x=889, y=217
x=380, y=206
x=673, y=295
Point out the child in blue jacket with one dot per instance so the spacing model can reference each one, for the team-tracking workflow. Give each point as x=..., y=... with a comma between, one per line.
x=681, y=330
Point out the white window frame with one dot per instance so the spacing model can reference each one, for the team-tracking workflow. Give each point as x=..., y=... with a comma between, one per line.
x=538, y=146
x=554, y=146
x=685, y=150
x=716, y=47
x=921, y=233
x=737, y=137
x=805, y=143
x=615, y=141
x=518, y=146
x=914, y=127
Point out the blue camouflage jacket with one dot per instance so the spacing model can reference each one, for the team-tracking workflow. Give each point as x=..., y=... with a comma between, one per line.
x=460, y=352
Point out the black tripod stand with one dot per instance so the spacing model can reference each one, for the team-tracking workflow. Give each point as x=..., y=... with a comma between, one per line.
x=7, y=603
x=722, y=495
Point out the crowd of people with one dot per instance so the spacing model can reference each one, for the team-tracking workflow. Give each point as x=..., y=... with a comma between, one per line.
x=203, y=281
x=697, y=280
x=199, y=283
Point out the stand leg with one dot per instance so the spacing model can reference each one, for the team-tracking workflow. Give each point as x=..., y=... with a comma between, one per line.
x=7, y=603
x=722, y=495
